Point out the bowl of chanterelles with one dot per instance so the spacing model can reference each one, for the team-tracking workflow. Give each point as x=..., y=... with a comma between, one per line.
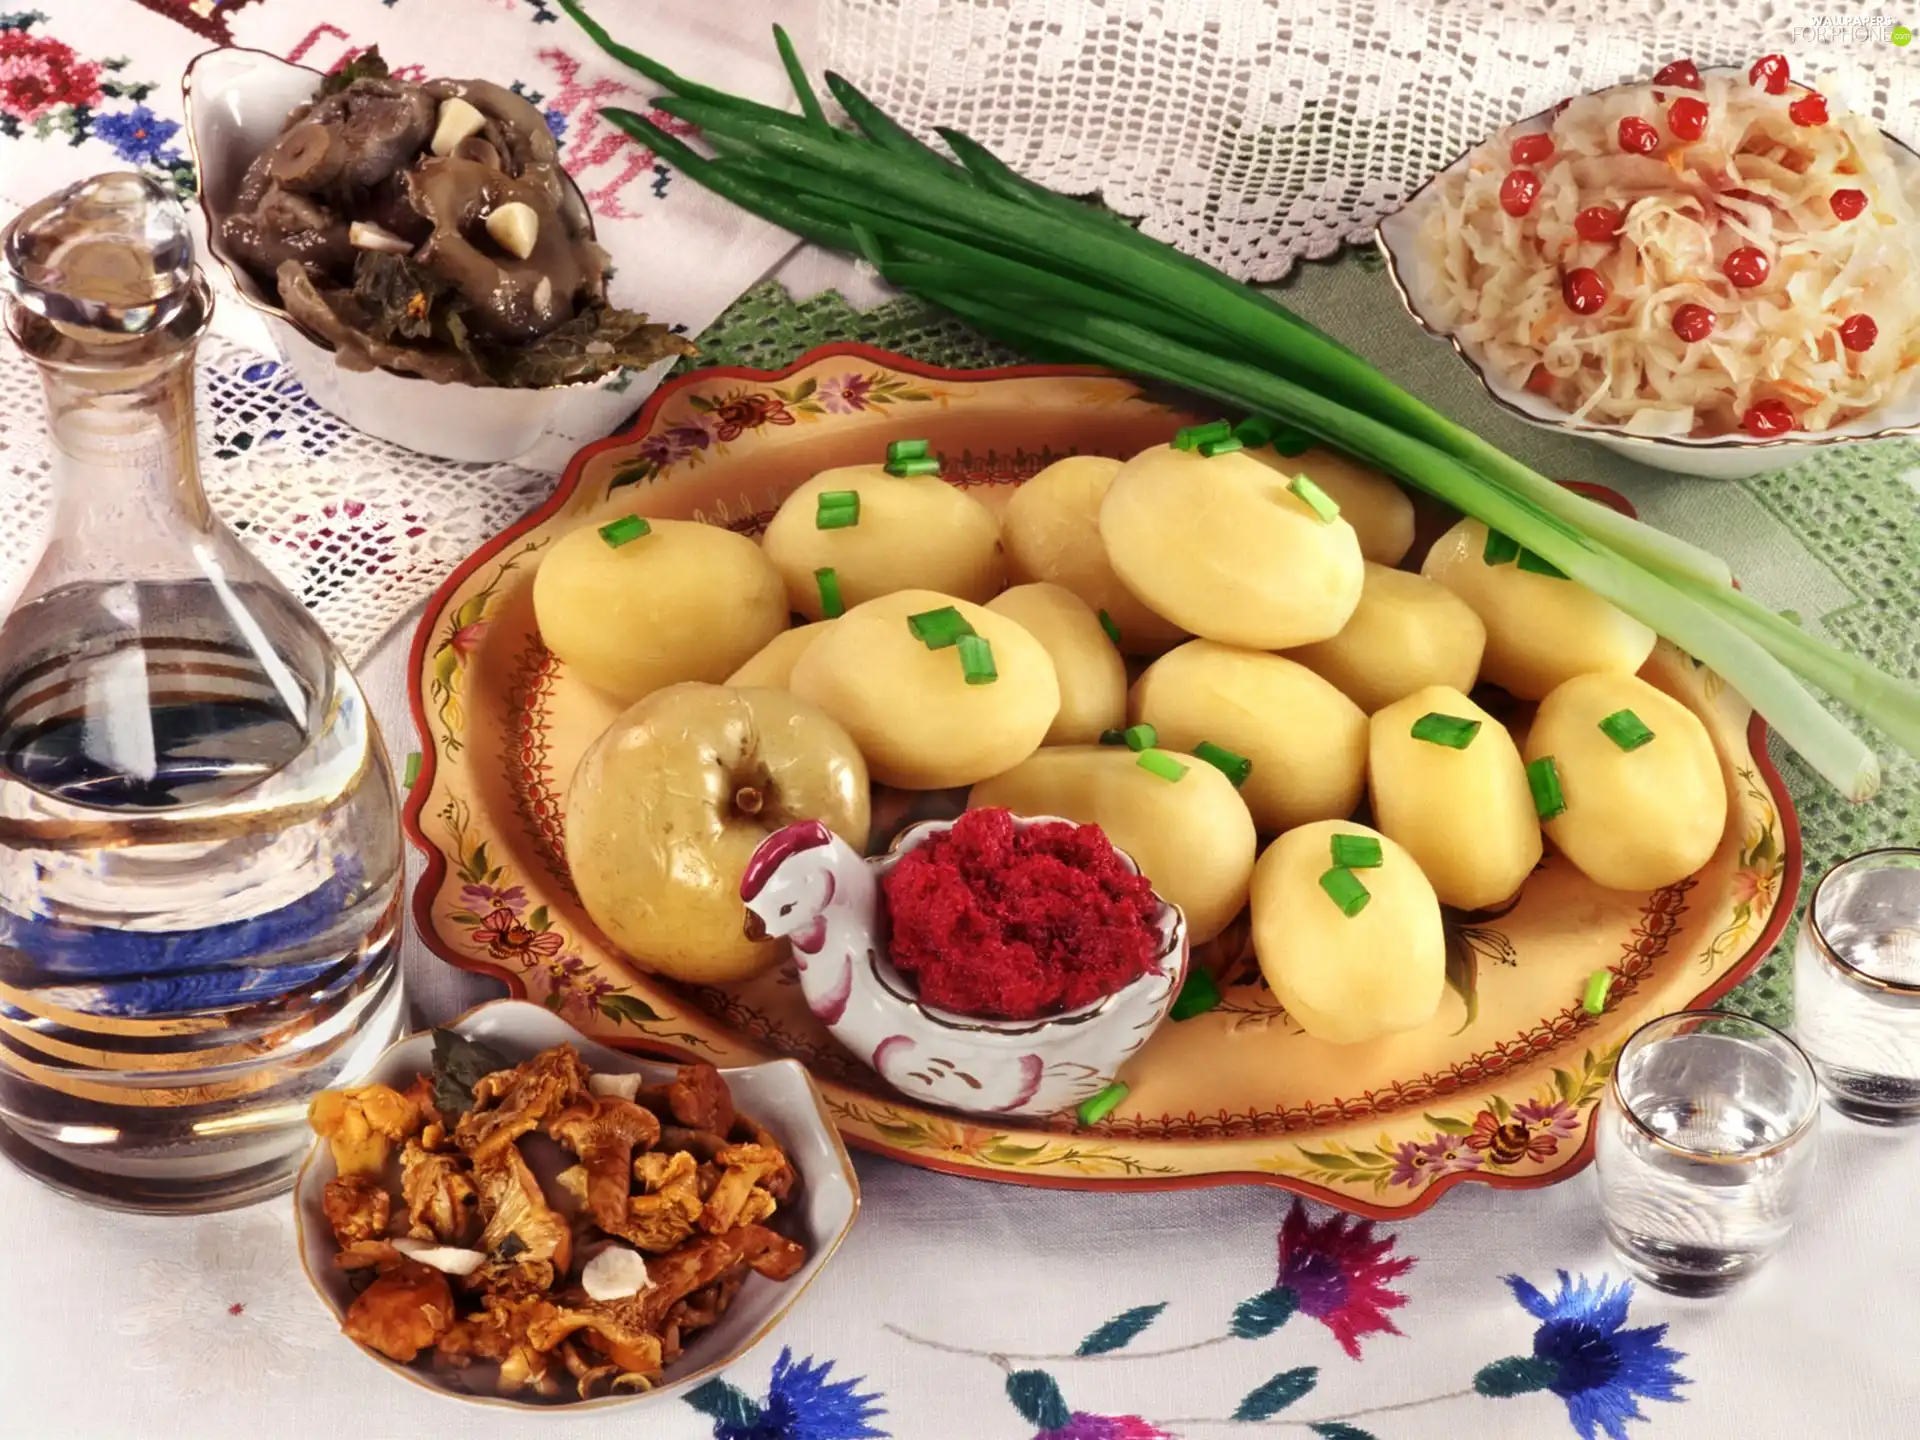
x=424, y=263
x=504, y=1211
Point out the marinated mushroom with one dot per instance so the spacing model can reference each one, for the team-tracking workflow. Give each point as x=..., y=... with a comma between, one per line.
x=430, y=229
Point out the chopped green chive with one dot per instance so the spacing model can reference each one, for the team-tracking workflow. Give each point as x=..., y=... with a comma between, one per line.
x=1543, y=779
x=1255, y=431
x=413, y=770
x=901, y=450
x=1595, y=999
x=1534, y=565
x=1357, y=852
x=1500, y=549
x=1140, y=737
x=1321, y=503
x=838, y=510
x=937, y=629
x=1096, y=1108
x=627, y=528
x=831, y=605
x=1194, y=436
x=1235, y=767
x=901, y=469
x=1626, y=729
x=1448, y=730
x=1113, y=737
x=976, y=659
x=1160, y=763
x=1291, y=442
x=1199, y=995
x=1210, y=448
x=1343, y=887
x=1113, y=630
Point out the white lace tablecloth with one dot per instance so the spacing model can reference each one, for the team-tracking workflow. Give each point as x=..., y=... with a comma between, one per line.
x=957, y=1310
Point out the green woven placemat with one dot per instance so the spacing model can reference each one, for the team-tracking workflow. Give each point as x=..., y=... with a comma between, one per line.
x=1836, y=540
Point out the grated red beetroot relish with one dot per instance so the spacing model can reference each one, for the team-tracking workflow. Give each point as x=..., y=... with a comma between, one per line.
x=1005, y=924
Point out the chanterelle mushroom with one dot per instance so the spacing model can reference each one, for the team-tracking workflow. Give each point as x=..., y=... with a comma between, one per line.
x=362, y=1126
x=521, y=1226
x=604, y=1131
x=439, y=1193
x=510, y=1103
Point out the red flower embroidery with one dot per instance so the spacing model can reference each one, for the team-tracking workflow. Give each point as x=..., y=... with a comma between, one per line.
x=38, y=74
x=507, y=939
x=1337, y=1272
x=748, y=411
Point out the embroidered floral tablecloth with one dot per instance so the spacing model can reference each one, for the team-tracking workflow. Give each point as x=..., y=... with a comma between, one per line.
x=962, y=1311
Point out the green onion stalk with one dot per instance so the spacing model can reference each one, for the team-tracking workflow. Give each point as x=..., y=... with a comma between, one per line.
x=1063, y=279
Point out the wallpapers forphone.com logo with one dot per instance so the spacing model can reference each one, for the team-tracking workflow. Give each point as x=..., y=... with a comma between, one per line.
x=1846, y=30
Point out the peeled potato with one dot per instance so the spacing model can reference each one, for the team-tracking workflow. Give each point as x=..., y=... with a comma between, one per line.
x=919, y=723
x=1093, y=677
x=1307, y=741
x=1052, y=531
x=1466, y=815
x=772, y=664
x=915, y=532
x=1192, y=837
x=670, y=803
x=1541, y=629
x=1222, y=547
x=1635, y=819
x=1380, y=512
x=685, y=601
x=1348, y=978
x=1406, y=633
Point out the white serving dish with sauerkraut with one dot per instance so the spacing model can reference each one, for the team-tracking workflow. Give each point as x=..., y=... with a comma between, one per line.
x=1707, y=274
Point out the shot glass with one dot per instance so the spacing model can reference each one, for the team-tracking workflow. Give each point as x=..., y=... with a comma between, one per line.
x=1705, y=1145
x=1856, y=985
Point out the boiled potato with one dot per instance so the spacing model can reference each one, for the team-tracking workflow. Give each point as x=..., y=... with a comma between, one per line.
x=1093, y=677
x=919, y=723
x=1541, y=629
x=1635, y=819
x=1192, y=837
x=772, y=665
x=1380, y=512
x=1307, y=741
x=1348, y=978
x=1466, y=815
x=1406, y=633
x=1052, y=530
x=1222, y=547
x=686, y=601
x=669, y=804
x=915, y=532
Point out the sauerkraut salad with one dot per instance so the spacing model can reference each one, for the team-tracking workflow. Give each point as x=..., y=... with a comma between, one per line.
x=1694, y=256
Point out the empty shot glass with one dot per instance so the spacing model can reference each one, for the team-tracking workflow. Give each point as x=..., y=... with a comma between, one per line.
x=1856, y=985
x=1704, y=1148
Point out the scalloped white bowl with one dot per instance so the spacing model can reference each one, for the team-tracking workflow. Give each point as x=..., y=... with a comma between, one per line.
x=1726, y=457
x=779, y=1094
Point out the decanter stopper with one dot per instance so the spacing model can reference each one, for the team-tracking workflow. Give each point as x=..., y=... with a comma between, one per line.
x=112, y=253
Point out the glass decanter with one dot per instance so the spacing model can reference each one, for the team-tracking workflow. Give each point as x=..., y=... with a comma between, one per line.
x=199, y=833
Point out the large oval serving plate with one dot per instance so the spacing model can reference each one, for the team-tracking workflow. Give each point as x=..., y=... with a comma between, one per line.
x=1236, y=1095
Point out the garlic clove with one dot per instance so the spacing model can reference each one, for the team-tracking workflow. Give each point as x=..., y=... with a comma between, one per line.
x=615, y=1273
x=458, y=119
x=450, y=1259
x=364, y=235
x=514, y=227
x=627, y=1087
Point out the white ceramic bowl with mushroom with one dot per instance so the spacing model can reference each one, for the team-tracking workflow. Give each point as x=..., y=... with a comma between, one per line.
x=807, y=884
x=237, y=101
x=1414, y=270
x=778, y=1095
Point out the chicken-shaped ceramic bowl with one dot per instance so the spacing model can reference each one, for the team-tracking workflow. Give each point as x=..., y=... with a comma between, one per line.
x=807, y=884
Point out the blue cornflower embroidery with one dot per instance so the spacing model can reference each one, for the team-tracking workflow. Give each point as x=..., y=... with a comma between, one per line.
x=557, y=121
x=801, y=1404
x=138, y=136
x=1583, y=1353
